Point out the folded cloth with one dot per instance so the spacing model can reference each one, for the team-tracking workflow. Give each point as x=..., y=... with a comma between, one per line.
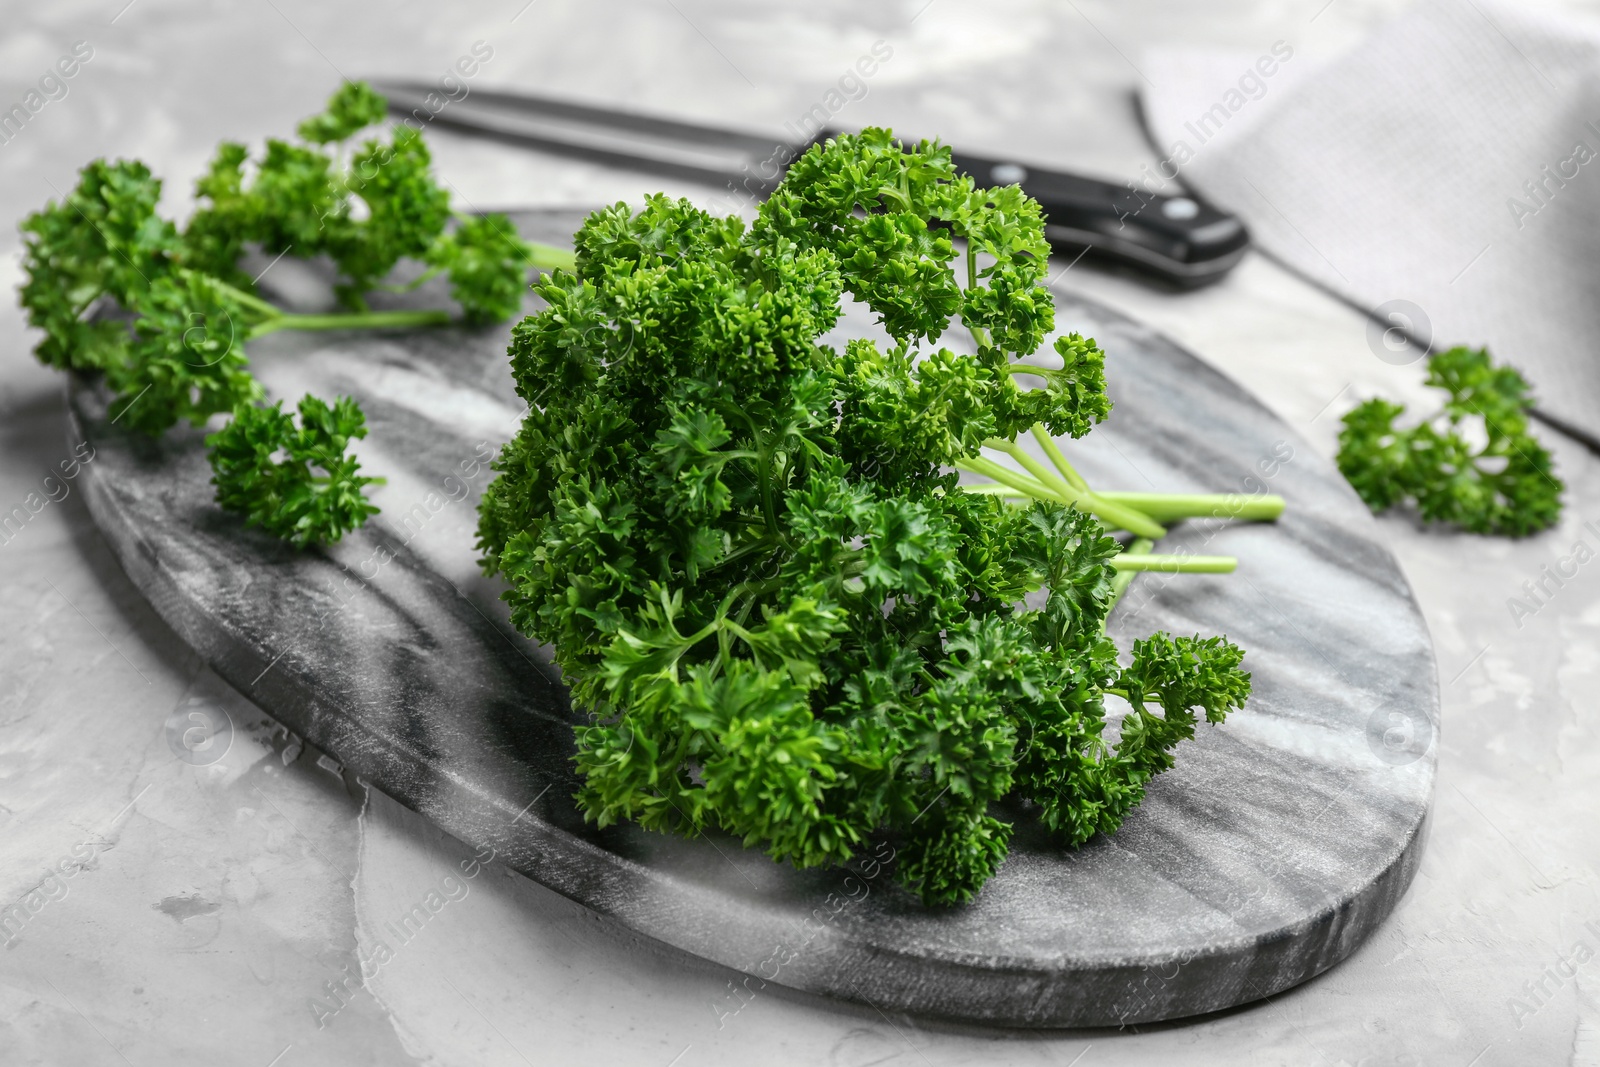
x=1444, y=175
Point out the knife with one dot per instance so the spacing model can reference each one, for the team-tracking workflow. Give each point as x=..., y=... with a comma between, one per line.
x=1179, y=239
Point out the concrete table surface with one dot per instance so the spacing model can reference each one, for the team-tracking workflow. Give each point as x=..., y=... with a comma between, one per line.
x=219, y=914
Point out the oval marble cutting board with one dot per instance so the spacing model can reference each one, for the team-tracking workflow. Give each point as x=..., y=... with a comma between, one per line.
x=1274, y=848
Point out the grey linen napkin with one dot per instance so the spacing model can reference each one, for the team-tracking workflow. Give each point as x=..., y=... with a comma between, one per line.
x=1445, y=175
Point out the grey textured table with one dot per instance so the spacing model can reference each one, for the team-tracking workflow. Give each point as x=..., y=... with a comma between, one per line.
x=219, y=914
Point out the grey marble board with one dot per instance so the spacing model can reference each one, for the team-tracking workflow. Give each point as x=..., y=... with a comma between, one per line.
x=1274, y=848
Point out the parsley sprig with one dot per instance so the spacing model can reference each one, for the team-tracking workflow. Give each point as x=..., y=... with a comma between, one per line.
x=165, y=314
x=1474, y=463
x=749, y=549
x=311, y=494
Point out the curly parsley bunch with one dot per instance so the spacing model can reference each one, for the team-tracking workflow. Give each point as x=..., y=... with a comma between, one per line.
x=750, y=553
x=1474, y=464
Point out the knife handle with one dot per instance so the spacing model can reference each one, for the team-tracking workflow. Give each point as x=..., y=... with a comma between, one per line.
x=1179, y=238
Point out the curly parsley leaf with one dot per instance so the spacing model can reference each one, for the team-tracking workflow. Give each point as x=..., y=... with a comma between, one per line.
x=186, y=359
x=406, y=211
x=104, y=239
x=352, y=108
x=488, y=267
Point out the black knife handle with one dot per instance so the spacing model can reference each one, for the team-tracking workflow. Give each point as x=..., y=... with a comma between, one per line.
x=1179, y=238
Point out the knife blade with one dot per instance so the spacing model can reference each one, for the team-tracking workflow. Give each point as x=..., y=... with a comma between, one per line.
x=1178, y=239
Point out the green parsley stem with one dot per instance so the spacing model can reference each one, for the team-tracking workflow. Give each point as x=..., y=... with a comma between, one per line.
x=249, y=300
x=1165, y=507
x=544, y=257
x=1160, y=507
x=1011, y=483
x=996, y=489
x=1121, y=516
x=362, y=320
x=764, y=478
x=549, y=257
x=895, y=193
x=415, y=283
x=278, y=319
x=1043, y=474
x=1067, y=470
x=760, y=544
x=1129, y=561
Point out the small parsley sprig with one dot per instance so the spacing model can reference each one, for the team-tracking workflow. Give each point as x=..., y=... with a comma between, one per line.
x=165, y=314
x=1474, y=463
x=313, y=493
x=751, y=555
x=366, y=206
